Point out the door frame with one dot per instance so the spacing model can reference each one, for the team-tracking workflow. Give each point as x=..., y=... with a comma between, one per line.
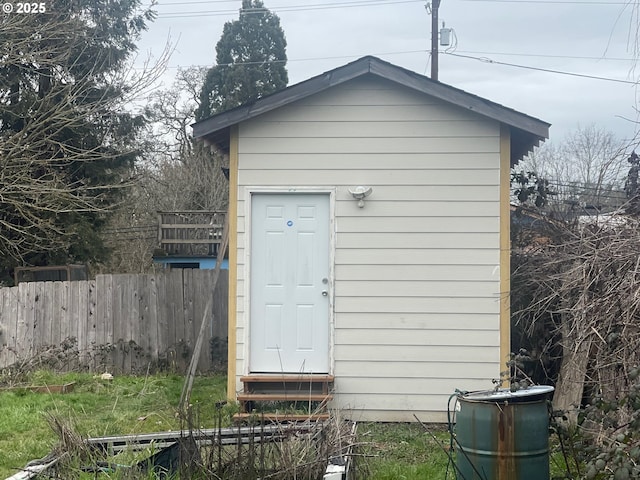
x=248, y=193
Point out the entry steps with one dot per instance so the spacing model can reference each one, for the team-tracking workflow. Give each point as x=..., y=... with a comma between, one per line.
x=268, y=388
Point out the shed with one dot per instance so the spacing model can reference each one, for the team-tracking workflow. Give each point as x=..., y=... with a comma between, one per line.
x=399, y=297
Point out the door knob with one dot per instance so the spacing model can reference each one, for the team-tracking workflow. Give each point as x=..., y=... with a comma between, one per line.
x=324, y=293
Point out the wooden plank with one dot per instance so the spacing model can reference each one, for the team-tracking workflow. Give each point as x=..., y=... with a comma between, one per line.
x=417, y=337
x=36, y=332
x=414, y=193
x=152, y=319
x=282, y=417
x=416, y=370
x=45, y=299
x=417, y=305
x=360, y=145
x=26, y=320
x=416, y=256
x=194, y=241
x=145, y=323
x=58, y=310
x=191, y=226
x=400, y=402
x=299, y=112
x=175, y=318
x=82, y=292
x=374, y=178
x=189, y=309
x=179, y=319
x=21, y=335
x=371, y=129
x=423, y=353
x=442, y=193
x=199, y=213
x=285, y=396
x=119, y=325
x=72, y=308
x=376, y=206
x=417, y=240
x=9, y=325
x=50, y=298
x=408, y=288
x=436, y=401
x=418, y=272
x=109, y=325
x=205, y=292
x=72, y=318
x=162, y=317
x=4, y=327
x=401, y=225
x=220, y=306
x=287, y=378
x=101, y=299
x=133, y=341
x=14, y=315
x=419, y=320
x=91, y=330
x=408, y=386
x=130, y=315
x=64, y=388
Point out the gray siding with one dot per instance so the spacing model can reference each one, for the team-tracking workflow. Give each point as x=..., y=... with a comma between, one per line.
x=417, y=281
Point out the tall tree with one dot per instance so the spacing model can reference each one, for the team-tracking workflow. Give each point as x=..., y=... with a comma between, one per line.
x=250, y=61
x=67, y=140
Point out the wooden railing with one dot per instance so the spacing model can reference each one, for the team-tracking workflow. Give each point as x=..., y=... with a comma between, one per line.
x=190, y=232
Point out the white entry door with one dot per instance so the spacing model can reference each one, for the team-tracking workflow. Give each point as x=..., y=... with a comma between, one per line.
x=289, y=317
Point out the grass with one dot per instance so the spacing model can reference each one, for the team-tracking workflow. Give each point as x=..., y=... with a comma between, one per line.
x=124, y=405
x=404, y=452
x=129, y=405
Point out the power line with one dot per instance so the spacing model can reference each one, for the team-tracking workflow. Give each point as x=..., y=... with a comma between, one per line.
x=547, y=70
x=554, y=2
x=284, y=9
x=482, y=59
x=290, y=60
x=543, y=55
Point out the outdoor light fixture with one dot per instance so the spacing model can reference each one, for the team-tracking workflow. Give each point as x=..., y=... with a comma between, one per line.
x=359, y=193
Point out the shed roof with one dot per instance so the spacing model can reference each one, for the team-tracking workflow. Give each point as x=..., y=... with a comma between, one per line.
x=526, y=131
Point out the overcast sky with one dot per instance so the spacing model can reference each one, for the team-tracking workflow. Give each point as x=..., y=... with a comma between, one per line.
x=585, y=37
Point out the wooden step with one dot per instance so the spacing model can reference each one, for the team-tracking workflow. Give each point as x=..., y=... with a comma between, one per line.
x=281, y=417
x=299, y=383
x=288, y=378
x=284, y=397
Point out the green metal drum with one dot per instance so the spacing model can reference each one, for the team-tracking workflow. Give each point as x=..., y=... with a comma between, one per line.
x=503, y=435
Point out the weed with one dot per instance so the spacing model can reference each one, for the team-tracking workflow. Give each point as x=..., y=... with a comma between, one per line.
x=96, y=407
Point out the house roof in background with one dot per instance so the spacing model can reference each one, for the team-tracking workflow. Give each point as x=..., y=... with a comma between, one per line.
x=526, y=131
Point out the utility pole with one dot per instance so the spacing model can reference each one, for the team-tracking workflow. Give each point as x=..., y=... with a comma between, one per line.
x=435, y=5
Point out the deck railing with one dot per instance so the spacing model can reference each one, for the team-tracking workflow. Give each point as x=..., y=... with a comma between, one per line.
x=190, y=232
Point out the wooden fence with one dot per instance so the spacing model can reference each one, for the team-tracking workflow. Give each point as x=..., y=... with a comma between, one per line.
x=119, y=323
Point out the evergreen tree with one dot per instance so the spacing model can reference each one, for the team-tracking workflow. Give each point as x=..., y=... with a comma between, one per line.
x=250, y=61
x=67, y=141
